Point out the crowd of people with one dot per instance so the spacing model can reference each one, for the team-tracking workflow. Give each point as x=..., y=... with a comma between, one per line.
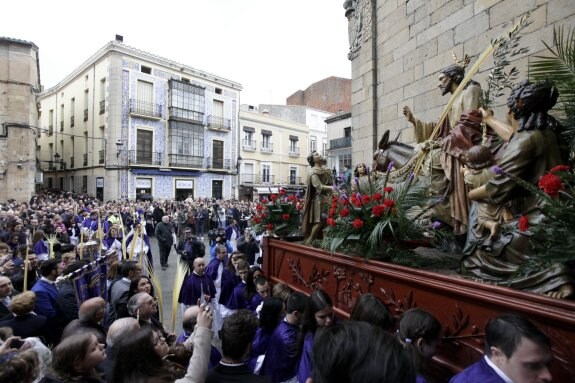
x=236, y=325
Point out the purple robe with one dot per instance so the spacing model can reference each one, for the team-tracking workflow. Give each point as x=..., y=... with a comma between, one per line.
x=212, y=268
x=229, y=282
x=255, y=302
x=193, y=287
x=478, y=372
x=282, y=353
x=305, y=363
x=259, y=346
x=237, y=300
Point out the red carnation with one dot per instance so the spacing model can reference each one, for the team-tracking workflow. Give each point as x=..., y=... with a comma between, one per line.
x=344, y=212
x=285, y=217
x=365, y=199
x=273, y=197
x=265, y=200
x=291, y=198
x=358, y=223
x=355, y=201
x=282, y=191
x=388, y=189
x=523, y=223
x=332, y=212
x=388, y=202
x=378, y=210
x=257, y=220
x=550, y=184
x=269, y=226
x=560, y=168
x=331, y=222
x=377, y=197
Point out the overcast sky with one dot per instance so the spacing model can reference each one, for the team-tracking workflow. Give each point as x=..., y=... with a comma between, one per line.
x=272, y=47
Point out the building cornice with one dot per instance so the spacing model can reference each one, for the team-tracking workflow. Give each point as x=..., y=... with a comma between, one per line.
x=338, y=117
x=114, y=46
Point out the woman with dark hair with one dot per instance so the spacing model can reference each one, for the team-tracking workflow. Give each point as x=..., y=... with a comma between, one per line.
x=318, y=313
x=139, y=358
x=39, y=246
x=143, y=284
x=251, y=296
x=420, y=333
x=371, y=309
x=75, y=360
x=272, y=312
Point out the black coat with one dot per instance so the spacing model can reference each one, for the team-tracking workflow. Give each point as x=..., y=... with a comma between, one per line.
x=28, y=325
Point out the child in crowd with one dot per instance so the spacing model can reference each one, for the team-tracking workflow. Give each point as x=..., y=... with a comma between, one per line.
x=420, y=333
x=270, y=315
x=282, y=353
x=318, y=313
x=238, y=299
x=371, y=309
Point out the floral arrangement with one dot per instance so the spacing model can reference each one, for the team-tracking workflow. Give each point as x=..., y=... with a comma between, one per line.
x=378, y=223
x=554, y=238
x=280, y=214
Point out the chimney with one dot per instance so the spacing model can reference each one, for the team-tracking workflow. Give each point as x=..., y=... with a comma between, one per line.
x=119, y=38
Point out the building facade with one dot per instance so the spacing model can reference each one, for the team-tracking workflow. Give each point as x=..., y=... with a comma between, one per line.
x=19, y=86
x=332, y=94
x=339, y=142
x=130, y=124
x=397, y=49
x=273, y=153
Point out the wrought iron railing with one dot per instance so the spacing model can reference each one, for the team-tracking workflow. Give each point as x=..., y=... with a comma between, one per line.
x=185, y=160
x=143, y=108
x=144, y=157
x=343, y=142
x=295, y=181
x=221, y=123
x=294, y=151
x=267, y=147
x=249, y=144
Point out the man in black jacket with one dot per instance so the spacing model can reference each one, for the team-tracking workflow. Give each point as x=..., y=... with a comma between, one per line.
x=165, y=240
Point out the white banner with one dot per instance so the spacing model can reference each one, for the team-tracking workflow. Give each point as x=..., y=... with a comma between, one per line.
x=184, y=184
x=100, y=182
x=143, y=183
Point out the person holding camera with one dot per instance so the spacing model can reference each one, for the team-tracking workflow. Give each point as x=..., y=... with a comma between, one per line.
x=248, y=245
x=218, y=237
x=190, y=247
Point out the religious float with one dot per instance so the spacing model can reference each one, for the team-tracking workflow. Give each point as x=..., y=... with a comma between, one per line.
x=510, y=213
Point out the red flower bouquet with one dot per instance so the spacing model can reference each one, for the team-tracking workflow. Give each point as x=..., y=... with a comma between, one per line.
x=281, y=214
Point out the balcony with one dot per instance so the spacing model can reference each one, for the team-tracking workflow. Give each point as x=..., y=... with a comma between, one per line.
x=249, y=145
x=146, y=109
x=257, y=179
x=267, y=147
x=295, y=181
x=101, y=155
x=71, y=162
x=186, y=115
x=61, y=126
x=338, y=143
x=102, y=106
x=144, y=157
x=50, y=129
x=71, y=121
x=85, y=114
x=219, y=164
x=85, y=163
x=219, y=123
x=185, y=160
x=294, y=152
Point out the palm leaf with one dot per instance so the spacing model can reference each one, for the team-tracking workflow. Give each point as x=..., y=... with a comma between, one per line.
x=559, y=68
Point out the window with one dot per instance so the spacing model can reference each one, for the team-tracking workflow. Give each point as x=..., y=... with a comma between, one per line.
x=51, y=122
x=266, y=141
x=187, y=101
x=102, y=96
x=312, y=143
x=292, y=175
x=218, y=91
x=145, y=142
x=145, y=69
x=293, y=145
x=186, y=144
x=217, y=188
x=145, y=98
x=248, y=174
x=186, y=80
x=218, y=109
x=266, y=173
x=347, y=131
x=324, y=147
x=345, y=159
x=62, y=117
x=217, y=154
x=86, y=94
x=72, y=111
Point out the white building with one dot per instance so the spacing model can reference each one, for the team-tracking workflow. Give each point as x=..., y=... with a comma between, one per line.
x=128, y=123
